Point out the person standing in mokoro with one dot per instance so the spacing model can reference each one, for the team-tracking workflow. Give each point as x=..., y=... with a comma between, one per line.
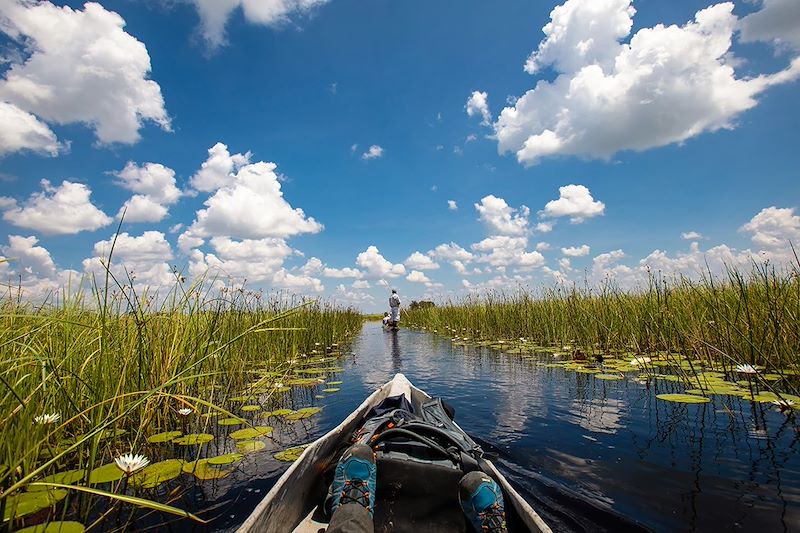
x=394, y=306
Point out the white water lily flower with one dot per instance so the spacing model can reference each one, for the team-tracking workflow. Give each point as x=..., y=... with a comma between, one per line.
x=277, y=384
x=47, y=419
x=746, y=369
x=640, y=361
x=185, y=411
x=130, y=463
x=783, y=404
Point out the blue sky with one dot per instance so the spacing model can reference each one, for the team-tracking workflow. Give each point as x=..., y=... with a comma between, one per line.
x=336, y=148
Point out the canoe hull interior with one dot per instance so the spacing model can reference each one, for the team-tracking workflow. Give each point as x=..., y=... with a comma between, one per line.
x=412, y=496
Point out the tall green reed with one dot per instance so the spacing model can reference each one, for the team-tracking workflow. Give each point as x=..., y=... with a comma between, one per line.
x=742, y=318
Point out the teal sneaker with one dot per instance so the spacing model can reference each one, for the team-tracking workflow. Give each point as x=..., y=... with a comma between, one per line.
x=355, y=478
x=482, y=502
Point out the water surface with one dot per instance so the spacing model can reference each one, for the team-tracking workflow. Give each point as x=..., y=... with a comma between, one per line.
x=588, y=454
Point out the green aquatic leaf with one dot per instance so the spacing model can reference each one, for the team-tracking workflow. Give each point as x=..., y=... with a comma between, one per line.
x=290, y=455
x=155, y=474
x=167, y=436
x=232, y=421
x=193, y=439
x=249, y=446
x=25, y=503
x=106, y=474
x=67, y=477
x=281, y=412
x=241, y=399
x=251, y=433
x=330, y=390
x=334, y=383
x=303, y=382
x=609, y=377
x=227, y=459
x=251, y=408
x=683, y=398
x=304, y=412
x=204, y=471
x=55, y=527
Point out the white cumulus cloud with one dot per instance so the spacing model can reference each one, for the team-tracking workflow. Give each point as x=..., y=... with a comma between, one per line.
x=303, y=284
x=214, y=14
x=477, y=104
x=24, y=263
x=665, y=85
x=144, y=258
x=377, y=266
x=576, y=251
x=452, y=205
x=61, y=210
x=774, y=227
x=420, y=261
x=142, y=208
x=778, y=22
x=155, y=185
x=219, y=169
x=20, y=130
x=254, y=260
x=374, y=152
x=691, y=235
x=507, y=251
x=417, y=277
x=79, y=67
x=576, y=202
x=501, y=218
x=250, y=205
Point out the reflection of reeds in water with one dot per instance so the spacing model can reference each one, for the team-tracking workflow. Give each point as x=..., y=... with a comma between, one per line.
x=112, y=367
x=744, y=319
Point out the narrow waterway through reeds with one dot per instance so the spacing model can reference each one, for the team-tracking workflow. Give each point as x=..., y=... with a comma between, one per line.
x=589, y=454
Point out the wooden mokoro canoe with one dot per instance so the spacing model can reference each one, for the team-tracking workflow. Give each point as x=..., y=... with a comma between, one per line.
x=412, y=495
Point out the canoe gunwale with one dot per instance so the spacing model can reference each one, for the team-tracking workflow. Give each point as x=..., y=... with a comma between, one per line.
x=311, y=458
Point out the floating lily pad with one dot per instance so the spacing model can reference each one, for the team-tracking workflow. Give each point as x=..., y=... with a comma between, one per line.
x=584, y=370
x=25, y=503
x=155, y=474
x=232, y=421
x=227, y=459
x=106, y=474
x=251, y=408
x=281, y=412
x=55, y=527
x=683, y=398
x=329, y=390
x=193, y=439
x=202, y=470
x=290, y=455
x=251, y=433
x=304, y=412
x=249, y=446
x=609, y=377
x=241, y=399
x=167, y=436
x=334, y=383
x=303, y=382
x=65, y=478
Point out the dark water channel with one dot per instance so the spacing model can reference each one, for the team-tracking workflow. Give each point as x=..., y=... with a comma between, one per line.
x=588, y=454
